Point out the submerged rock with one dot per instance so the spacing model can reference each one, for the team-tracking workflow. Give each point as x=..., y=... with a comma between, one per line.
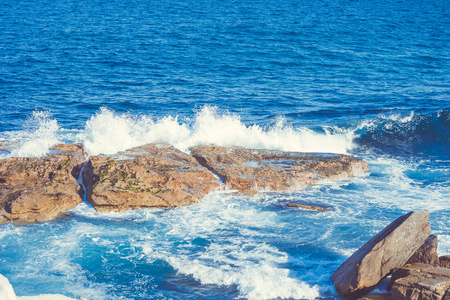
x=38, y=189
x=307, y=207
x=251, y=171
x=389, y=249
x=154, y=175
x=421, y=281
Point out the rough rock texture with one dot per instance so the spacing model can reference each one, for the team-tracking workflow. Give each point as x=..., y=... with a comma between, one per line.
x=384, y=296
x=427, y=253
x=391, y=248
x=444, y=261
x=38, y=189
x=307, y=207
x=421, y=282
x=251, y=171
x=153, y=175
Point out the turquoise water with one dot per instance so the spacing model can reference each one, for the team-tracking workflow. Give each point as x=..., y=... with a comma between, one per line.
x=365, y=78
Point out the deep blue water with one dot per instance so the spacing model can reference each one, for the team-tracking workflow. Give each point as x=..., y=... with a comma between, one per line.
x=367, y=78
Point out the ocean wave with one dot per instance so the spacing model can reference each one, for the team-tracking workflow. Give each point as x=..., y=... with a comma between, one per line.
x=226, y=248
x=413, y=133
x=38, y=134
x=109, y=132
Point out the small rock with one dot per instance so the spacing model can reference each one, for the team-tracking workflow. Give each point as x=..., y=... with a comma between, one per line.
x=389, y=249
x=252, y=171
x=151, y=176
x=308, y=207
x=444, y=261
x=427, y=253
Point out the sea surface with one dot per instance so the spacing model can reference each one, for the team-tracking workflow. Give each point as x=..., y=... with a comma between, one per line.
x=365, y=78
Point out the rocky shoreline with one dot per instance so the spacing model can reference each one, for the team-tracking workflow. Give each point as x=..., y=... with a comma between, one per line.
x=155, y=175
x=158, y=175
x=407, y=252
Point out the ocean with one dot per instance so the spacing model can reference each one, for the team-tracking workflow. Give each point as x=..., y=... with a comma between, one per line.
x=365, y=78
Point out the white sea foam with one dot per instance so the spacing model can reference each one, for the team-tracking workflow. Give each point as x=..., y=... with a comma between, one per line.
x=109, y=132
x=241, y=259
x=392, y=187
x=56, y=261
x=443, y=244
x=255, y=281
x=45, y=297
x=38, y=134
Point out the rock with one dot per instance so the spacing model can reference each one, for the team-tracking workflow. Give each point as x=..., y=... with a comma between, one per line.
x=307, y=207
x=427, y=253
x=389, y=249
x=421, y=282
x=407, y=270
x=154, y=175
x=384, y=296
x=252, y=171
x=39, y=189
x=444, y=261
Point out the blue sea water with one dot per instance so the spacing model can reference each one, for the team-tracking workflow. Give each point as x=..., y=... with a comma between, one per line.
x=366, y=78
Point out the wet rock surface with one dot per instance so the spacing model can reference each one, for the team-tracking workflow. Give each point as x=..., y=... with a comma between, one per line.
x=39, y=189
x=308, y=207
x=252, y=171
x=389, y=249
x=151, y=176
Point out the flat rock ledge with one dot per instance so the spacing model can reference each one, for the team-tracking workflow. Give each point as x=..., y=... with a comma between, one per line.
x=251, y=171
x=151, y=176
x=39, y=189
x=155, y=176
x=389, y=249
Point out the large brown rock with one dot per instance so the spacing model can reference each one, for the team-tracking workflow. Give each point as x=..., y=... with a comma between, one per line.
x=154, y=175
x=421, y=282
x=391, y=248
x=444, y=261
x=427, y=253
x=251, y=171
x=39, y=189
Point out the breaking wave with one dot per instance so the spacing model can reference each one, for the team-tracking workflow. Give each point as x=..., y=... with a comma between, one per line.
x=109, y=132
x=414, y=133
x=38, y=134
